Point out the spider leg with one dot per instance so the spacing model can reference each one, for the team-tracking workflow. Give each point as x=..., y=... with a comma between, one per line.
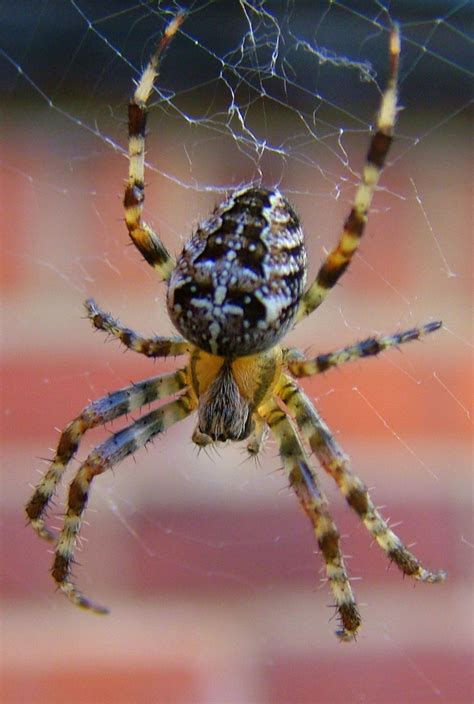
x=340, y=257
x=337, y=465
x=257, y=437
x=149, y=346
x=105, y=456
x=304, y=482
x=298, y=366
x=96, y=413
x=141, y=234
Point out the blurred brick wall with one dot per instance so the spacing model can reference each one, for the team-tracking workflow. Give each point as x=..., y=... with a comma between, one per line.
x=206, y=561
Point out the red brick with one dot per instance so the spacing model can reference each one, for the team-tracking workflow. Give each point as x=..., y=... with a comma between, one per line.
x=35, y=406
x=399, y=677
x=103, y=683
x=374, y=399
x=19, y=210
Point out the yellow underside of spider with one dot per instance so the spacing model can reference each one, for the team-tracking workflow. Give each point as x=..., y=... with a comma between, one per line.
x=255, y=375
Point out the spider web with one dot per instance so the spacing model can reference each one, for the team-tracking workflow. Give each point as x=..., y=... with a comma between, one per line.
x=284, y=93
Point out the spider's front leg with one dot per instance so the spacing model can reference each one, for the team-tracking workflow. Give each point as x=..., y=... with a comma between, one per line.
x=337, y=465
x=304, y=482
x=109, y=453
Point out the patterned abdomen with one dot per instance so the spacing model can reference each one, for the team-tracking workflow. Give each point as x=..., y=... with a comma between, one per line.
x=238, y=281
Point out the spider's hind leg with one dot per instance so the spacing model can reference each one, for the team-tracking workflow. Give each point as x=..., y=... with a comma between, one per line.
x=340, y=257
x=141, y=234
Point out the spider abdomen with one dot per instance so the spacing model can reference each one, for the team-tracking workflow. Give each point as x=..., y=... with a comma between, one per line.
x=239, y=279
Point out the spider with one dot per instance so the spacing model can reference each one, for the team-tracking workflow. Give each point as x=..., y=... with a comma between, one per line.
x=237, y=287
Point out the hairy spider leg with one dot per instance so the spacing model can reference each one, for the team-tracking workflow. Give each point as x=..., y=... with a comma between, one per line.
x=109, y=453
x=304, y=482
x=149, y=346
x=298, y=366
x=337, y=465
x=97, y=413
x=340, y=257
x=147, y=242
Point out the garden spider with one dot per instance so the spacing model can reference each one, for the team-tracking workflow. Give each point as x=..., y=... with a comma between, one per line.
x=236, y=289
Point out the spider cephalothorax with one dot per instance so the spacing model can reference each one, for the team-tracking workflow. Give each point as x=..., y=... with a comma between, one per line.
x=229, y=392
x=235, y=290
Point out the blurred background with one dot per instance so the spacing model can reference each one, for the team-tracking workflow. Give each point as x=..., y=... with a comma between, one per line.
x=206, y=561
